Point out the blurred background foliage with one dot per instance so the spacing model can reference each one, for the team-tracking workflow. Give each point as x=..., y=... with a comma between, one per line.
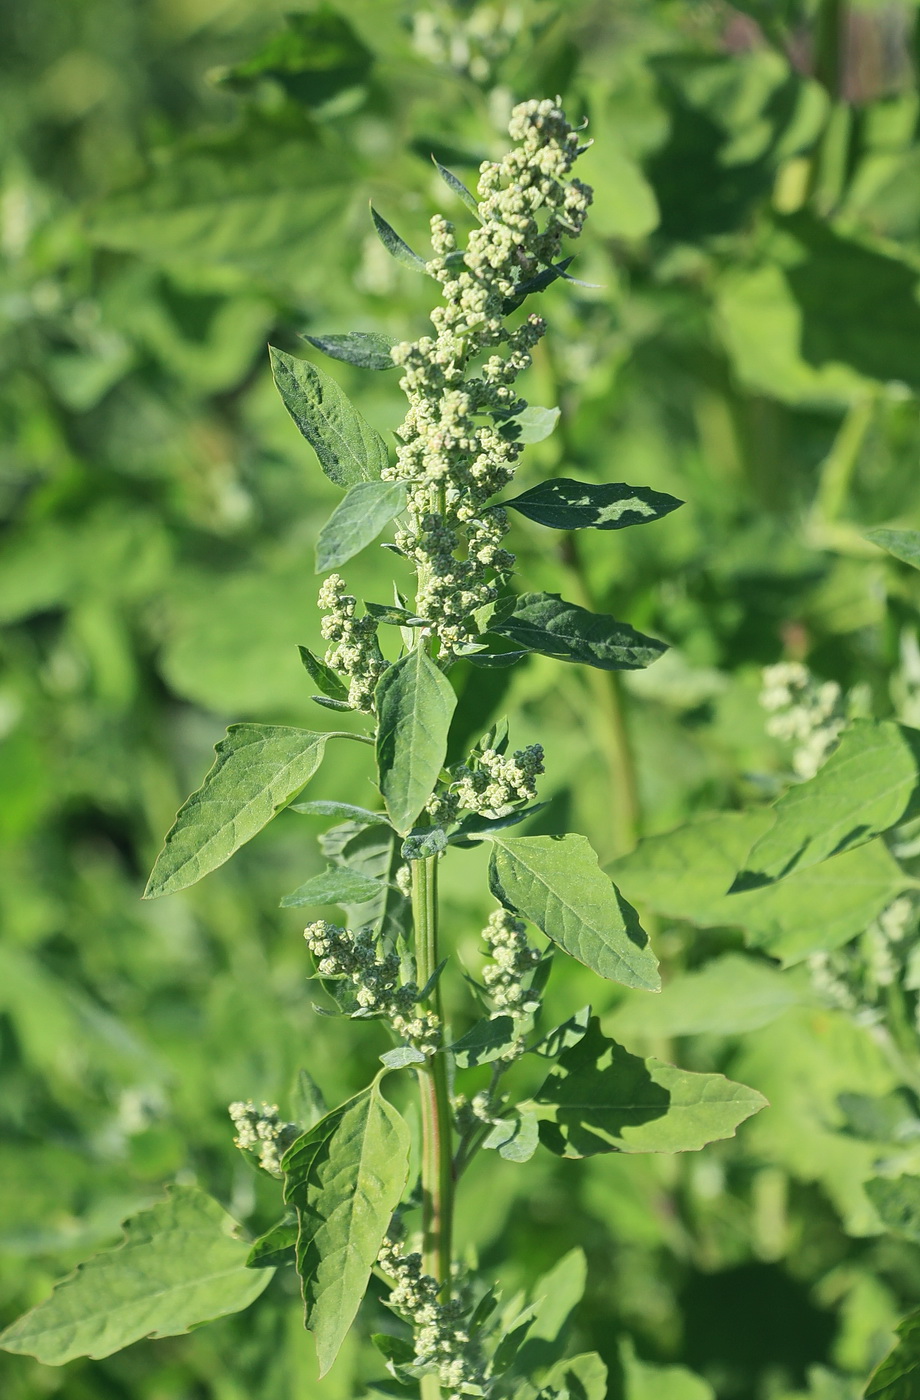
x=184, y=180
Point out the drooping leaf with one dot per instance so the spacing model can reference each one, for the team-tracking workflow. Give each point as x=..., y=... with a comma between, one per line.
x=345, y=1178
x=861, y=791
x=898, y=1377
x=600, y=1098
x=537, y=283
x=458, y=187
x=897, y=1201
x=903, y=544
x=323, y=676
x=557, y=883
x=530, y=425
x=366, y=349
x=180, y=1264
x=333, y=886
x=258, y=769
x=564, y=504
x=415, y=702
x=357, y=521
x=348, y=448
x=544, y=622
x=484, y=1042
x=276, y=1246
x=317, y=56
x=475, y=828
x=396, y=246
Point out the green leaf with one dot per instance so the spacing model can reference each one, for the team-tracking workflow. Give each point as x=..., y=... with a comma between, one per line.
x=898, y=1203
x=730, y=995
x=258, y=769
x=395, y=245
x=599, y=1098
x=426, y=841
x=402, y=1057
x=516, y=1138
x=323, y=676
x=366, y=349
x=345, y=1177
x=415, y=702
x=555, y=1295
x=475, y=828
x=543, y=622
x=487, y=1040
x=898, y=1377
x=861, y=791
x=903, y=544
x=334, y=886
x=348, y=448
x=530, y=425
x=582, y=1377
x=180, y=1264
x=556, y=883
x=276, y=1246
x=357, y=520
x=458, y=187
x=538, y=283
x=394, y=616
x=340, y=809
x=645, y=1382
x=314, y=58
x=564, y=504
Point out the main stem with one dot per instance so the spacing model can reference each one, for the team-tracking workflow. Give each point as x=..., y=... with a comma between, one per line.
x=437, y=1148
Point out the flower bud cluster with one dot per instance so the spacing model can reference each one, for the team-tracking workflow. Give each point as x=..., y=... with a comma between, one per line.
x=341, y=953
x=490, y=785
x=441, y=1339
x=804, y=712
x=512, y=959
x=354, y=650
x=262, y=1131
x=453, y=451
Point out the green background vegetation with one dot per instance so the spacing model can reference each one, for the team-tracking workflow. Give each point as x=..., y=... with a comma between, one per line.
x=184, y=180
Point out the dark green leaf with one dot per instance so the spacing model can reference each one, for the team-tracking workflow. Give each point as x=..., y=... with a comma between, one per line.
x=458, y=187
x=903, y=544
x=345, y=1178
x=258, y=769
x=323, y=676
x=897, y=1201
x=898, y=1377
x=576, y=505
x=334, y=886
x=557, y=884
x=862, y=790
x=415, y=702
x=366, y=349
x=477, y=828
x=180, y=1265
x=394, y=616
x=487, y=1040
x=602, y=1099
x=338, y=705
x=357, y=520
x=543, y=622
x=394, y=245
x=276, y=1246
x=539, y=283
x=316, y=57
x=348, y=448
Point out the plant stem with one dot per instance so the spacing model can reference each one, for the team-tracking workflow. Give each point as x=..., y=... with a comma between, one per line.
x=437, y=1148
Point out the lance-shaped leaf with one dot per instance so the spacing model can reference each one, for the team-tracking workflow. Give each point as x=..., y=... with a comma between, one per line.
x=903, y=544
x=544, y=622
x=341, y=810
x=357, y=521
x=258, y=769
x=366, y=349
x=348, y=448
x=337, y=885
x=180, y=1264
x=538, y=283
x=861, y=791
x=458, y=187
x=323, y=676
x=397, y=247
x=557, y=884
x=600, y=1098
x=345, y=1177
x=415, y=702
x=898, y=1377
x=564, y=504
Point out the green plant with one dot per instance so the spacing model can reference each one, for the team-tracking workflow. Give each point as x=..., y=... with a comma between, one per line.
x=507, y=1083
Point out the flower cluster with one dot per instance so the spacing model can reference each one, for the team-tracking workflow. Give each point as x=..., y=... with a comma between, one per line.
x=261, y=1131
x=512, y=959
x=341, y=953
x=355, y=651
x=441, y=1339
x=490, y=785
x=855, y=978
x=804, y=712
x=468, y=39
x=455, y=449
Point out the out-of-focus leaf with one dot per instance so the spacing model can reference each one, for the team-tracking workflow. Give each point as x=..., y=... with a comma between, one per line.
x=897, y=1201
x=899, y=1374
x=316, y=57
x=645, y=1382
x=729, y=996
x=903, y=544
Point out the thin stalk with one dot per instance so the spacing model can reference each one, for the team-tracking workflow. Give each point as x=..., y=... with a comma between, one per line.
x=437, y=1147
